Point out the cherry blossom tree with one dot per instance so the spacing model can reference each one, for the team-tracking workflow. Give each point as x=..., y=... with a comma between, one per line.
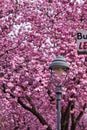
x=32, y=34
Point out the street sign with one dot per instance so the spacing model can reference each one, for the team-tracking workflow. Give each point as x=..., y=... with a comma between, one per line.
x=82, y=42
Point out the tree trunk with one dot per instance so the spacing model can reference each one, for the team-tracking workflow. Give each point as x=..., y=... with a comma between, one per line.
x=73, y=127
x=65, y=117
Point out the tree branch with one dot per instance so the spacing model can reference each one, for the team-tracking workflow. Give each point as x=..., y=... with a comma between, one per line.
x=34, y=112
x=81, y=113
x=8, y=50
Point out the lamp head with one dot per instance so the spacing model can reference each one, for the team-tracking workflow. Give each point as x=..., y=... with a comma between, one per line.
x=59, y=65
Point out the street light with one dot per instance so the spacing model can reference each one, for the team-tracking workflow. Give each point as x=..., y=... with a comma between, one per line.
x=59, y=65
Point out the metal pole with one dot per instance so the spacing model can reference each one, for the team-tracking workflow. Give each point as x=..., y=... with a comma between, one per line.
x=58, y=94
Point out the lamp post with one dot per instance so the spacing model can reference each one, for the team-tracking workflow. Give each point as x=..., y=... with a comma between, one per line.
x=59, y=65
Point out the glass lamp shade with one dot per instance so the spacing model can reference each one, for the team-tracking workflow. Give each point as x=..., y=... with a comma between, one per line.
x=59, y=65
x=59, y=71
